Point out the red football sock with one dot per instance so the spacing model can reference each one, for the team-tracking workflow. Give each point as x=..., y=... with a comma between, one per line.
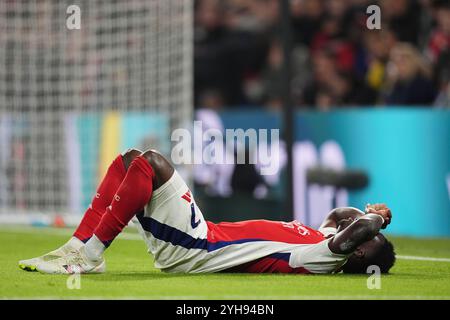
x=131, y=197
x=105, y=192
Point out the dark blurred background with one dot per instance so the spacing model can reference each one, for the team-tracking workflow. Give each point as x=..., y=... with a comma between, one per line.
x=363, y=114
x=372, y=100
x=336, y=60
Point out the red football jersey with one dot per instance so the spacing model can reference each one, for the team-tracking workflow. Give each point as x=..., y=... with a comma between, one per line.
x=264, y=230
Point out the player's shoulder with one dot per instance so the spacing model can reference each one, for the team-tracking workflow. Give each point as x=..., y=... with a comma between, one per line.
x=317, y=258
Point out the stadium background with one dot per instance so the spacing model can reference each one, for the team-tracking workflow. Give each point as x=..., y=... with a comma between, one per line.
x=370, y=100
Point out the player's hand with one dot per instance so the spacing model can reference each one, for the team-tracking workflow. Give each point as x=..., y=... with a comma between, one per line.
x=375, y=207
x=382, y=210
x=344, y=223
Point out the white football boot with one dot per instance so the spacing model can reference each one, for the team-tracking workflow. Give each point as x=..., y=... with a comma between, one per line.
x=75, y=262
x=70, y=246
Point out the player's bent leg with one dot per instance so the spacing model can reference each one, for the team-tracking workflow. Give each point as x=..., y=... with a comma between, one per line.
x=172, y=224
x=131, y=197
x=106, y=190
x=104, y=194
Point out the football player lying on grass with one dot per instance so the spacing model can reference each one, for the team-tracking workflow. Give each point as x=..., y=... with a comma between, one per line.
x=144, y=185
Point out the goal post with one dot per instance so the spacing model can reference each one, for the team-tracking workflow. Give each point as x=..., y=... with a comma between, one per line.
x=71, y=99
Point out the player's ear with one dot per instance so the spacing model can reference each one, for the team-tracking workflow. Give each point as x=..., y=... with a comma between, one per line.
x=360, y=253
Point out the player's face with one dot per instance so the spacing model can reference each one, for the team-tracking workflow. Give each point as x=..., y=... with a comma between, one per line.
x=369, y=248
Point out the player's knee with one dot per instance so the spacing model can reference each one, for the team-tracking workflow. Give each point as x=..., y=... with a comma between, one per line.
x=155, y=159
x=162, y=168
x=129, y=155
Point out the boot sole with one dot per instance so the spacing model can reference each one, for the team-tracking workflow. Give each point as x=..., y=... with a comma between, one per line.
x=27, y=268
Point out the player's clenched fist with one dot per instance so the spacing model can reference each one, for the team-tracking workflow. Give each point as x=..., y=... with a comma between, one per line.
x=382, y=210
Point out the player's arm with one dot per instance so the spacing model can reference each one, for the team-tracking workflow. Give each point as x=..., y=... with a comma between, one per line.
x=358, y=232
x=339, y=216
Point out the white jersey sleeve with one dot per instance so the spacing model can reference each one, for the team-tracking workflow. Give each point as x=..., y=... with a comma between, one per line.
x=317, y=258
x=328, y=231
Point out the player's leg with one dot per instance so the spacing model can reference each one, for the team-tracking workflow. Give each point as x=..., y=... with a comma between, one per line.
x=146, y=172
x=103, y=197
x=104, y=194
x=172, y=224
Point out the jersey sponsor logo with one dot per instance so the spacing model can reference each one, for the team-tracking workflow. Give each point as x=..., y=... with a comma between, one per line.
x=193, y=223
x=187, y=196
x=302, y=230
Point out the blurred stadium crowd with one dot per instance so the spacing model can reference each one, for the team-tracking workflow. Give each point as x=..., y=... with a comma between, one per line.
x=336, y=60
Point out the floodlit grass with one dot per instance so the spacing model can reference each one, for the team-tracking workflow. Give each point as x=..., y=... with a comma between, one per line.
x=131, y=275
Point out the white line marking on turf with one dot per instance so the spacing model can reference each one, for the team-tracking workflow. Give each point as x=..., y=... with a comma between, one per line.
x=423, y=258
x=135, y=236
x=237, y=297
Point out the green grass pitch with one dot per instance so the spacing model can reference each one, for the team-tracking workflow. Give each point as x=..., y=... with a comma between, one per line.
x=131, y=275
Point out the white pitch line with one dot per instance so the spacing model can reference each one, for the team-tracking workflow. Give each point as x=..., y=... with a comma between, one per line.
x=135, y=236
x=239, y=297
x=423, y=258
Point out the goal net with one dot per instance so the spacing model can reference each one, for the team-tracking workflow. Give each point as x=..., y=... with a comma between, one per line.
x=72, y=99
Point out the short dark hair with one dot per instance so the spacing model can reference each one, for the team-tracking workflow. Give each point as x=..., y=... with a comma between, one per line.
x=384, y=258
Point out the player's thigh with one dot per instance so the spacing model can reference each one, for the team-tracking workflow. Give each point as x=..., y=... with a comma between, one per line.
x=173, y=213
